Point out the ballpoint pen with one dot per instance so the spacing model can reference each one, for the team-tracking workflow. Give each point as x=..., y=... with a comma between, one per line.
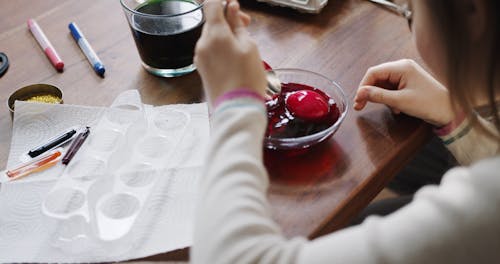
x=86, y=48
x=45, y=44
x=52, y=143
x=75, y=146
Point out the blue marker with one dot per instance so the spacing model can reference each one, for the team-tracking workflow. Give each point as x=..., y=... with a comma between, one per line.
x=87, y=49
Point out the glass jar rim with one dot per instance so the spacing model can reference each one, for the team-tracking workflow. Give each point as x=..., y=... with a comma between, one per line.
x=134, y=11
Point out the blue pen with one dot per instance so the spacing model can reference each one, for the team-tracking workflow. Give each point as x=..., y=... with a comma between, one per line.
x=86, y=48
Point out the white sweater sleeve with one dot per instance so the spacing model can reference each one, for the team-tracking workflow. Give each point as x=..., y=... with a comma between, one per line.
x=456, y=222
x=468, y=144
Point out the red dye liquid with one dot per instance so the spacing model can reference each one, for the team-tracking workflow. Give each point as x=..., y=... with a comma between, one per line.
x=307, y=168
x=266, y=66
x=300, y=110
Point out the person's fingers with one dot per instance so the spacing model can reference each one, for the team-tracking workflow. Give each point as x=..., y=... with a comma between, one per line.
x=245, y=18
x=358, y=106
x=216, y=26
x=233, y=17
x=395, y=110
x=240, y=31
x=213, y=11
x=390, y=72
x=360, y=99
x=376, y=95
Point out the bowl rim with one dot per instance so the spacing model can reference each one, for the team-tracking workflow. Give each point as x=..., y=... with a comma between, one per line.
x=270, y=142
x=32, y=90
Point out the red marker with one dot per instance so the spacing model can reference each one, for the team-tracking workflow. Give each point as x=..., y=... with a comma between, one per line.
x=45, y=44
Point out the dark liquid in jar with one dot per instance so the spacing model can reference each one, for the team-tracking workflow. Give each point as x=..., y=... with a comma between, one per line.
x=167, y=43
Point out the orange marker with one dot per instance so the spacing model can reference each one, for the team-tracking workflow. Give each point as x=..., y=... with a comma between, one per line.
x=42, y=163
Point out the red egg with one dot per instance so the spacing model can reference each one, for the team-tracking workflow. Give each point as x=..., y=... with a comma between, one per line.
x=307, y=105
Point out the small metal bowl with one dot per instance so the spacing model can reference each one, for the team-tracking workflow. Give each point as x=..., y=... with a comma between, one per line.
x=30, y=91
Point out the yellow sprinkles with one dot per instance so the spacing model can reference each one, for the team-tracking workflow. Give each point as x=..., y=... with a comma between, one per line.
x=49, y=99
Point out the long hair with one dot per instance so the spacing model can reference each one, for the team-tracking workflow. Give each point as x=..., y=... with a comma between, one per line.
x=447, y=16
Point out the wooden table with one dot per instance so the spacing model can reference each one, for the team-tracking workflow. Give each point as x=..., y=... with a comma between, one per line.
x=313, y=194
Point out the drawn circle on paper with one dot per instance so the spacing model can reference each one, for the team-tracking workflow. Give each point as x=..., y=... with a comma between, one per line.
x=24, y=200
x=119, y=206
x=104, y=139
x=35, y=127
x=64, y=201
x=171, y=121
x=139, y=175
x=12, y=231
x=86, y=169
x=120, y=116
x=155, y=146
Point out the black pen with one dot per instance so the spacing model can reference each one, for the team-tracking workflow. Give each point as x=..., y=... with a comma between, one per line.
x=52, y=143
x=75, y=146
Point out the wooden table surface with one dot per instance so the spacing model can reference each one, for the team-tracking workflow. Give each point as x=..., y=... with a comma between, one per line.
x=311, y=194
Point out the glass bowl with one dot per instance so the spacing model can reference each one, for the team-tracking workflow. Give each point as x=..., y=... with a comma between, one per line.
x=322, y=83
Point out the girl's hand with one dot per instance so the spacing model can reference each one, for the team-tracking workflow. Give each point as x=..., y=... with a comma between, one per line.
x=406, y=87
x=225, y=55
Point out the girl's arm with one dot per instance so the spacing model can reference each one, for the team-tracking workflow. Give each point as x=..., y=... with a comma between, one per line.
x=456, y=222
x=406, y=87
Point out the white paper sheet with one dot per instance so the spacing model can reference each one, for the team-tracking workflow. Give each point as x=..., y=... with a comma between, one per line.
x=164, y=221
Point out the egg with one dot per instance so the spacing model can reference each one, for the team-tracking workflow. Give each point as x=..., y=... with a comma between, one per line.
x=307, y=105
